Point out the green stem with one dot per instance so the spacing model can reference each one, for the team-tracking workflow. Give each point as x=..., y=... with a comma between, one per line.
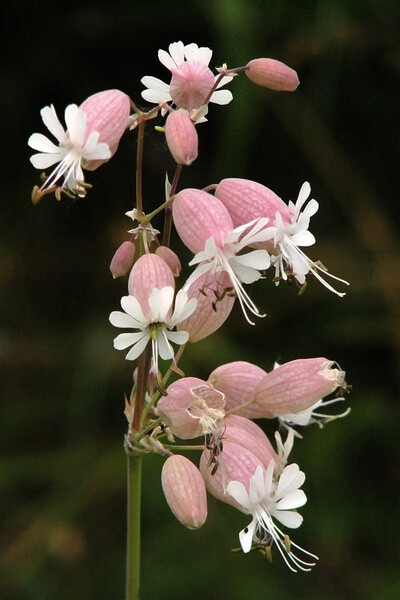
x=139, y=168
x=133, y=527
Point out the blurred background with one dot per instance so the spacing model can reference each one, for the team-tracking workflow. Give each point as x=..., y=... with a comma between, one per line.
x=62, y=464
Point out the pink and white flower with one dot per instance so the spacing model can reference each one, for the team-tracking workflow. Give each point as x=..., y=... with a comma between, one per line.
x=191, y=82
x=267, y=498
x=157, y=326
x=92, y=134
x=205, y=226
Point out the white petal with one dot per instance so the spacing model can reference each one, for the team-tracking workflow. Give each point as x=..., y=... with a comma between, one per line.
x=177, y=53
x=311, y=208
x=221, y=97
x=40, y=142
x=304, y=193
x=303, y=238
x=120, y=319
x=43, y=161
x=165, y=350
x=178, y=337
x=153, y=83
x=138, y=348
x=193, y=52
x=160, y=302
x=291, y=479
x=131, y=305
x=183, y=308
x=292, y=500
x=75, y=120
x=289, y=518
x=243, y=273
x=100, y=151
x=124, y=340
x=257, y=259
x=226, y=79
x=256, y=488
x=155, y=96
x=52, y=122
x=238, y=492
x=246, y=536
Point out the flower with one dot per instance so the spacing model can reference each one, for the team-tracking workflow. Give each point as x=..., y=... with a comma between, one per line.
x=272, y=74
x=92, y=136
x=246, y=200
x=157, y=328
x=205, y=227
x=289, y=237
x=268, y=499
x=191, y=82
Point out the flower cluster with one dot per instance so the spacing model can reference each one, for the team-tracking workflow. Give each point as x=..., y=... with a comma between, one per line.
x=237, y=230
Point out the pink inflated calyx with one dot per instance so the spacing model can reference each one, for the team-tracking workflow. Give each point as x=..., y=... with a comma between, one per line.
x=246, y=200
x=198, y=216
x=192, y=408
x=272, y=74
x=106, y=112
x=295, y=386
x=182, y=139
x=148, y=273
x=247, y=434
x=235, y=463
x=237, y=381
x=170, y=258
x=190, y=84
x=184, y=491
x=122, y=260
x=215, y=300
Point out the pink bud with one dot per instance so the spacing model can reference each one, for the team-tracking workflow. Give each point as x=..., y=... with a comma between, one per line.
x=181, y=136
x=192, y=408
x=106, y=112
x=149, y=272
x=190, y=84
x=170, y=258
x=236, y=463
x=237, y=381
x=244, y=432
x=214, y=304
x=184, y=491
x=122, y=260
x=272, y=74
x=295, y=386
x=198, y=216
x=247, y=200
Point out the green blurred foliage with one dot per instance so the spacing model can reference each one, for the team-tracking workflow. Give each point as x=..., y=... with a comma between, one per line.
x=62, y=490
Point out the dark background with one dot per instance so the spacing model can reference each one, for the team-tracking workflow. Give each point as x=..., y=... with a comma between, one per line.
x=62, y=466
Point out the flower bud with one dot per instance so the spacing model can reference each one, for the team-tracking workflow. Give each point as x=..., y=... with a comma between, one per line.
x=149, y=272
x=272, y=74
x=192, y=408
x=237, y=381
x=214, y=304
x=181, y=137
x=184, y=491
x=236, y=463
x=295, y=386
x=107, y=113
x=198, y=216
x=247, y=434
x=122, y=260
x=170, y=258
x=246, y=200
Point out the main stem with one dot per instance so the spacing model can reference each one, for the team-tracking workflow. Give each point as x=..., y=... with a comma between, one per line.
x=133, y=527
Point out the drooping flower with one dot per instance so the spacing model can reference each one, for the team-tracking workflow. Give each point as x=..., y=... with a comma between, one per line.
x=181, y=137
x=272, y=74
x=191, y=82
x=237, y=381
x=205, y=227
x=246, y=200
x=92, y=135
x=266, y=499
x=157, y=327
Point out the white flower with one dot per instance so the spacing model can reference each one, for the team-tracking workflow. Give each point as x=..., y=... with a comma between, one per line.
x=73, y=151
x=191, y=81
x=241, y=268
x=289, y=237
x=310, y=415
x=267, y=499
x=158, y=328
